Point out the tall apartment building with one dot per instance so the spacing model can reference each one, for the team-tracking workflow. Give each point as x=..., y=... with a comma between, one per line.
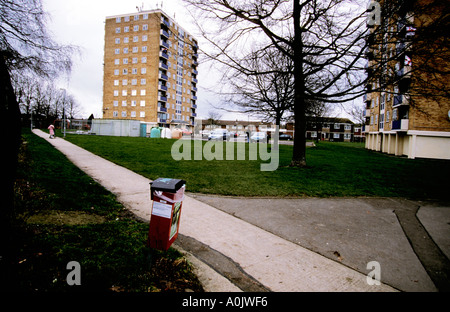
x=150, y=70
x=399, y=119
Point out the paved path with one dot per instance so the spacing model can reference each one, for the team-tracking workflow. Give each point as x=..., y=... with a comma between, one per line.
x=259, y=250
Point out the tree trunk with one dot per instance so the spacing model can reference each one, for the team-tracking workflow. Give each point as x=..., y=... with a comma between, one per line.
x=9, y=110
x=299, y=151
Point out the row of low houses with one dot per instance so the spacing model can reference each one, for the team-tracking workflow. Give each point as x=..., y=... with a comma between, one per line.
x=317, y=128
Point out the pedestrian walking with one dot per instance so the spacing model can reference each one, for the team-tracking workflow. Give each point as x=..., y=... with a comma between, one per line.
x=51, y=129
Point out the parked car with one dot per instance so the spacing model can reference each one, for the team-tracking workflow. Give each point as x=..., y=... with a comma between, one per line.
x=205, y=134
x=258, y=137
x=219, y=134
x=285, y=136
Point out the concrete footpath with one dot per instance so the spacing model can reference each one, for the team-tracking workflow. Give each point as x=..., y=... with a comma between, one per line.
x=294, y=245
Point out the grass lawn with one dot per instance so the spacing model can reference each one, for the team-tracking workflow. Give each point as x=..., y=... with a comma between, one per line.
x=334, y=169
x=63, y=216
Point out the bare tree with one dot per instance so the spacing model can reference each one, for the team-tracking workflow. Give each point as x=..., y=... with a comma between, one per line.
x=324, y=39
x=269, y=93
x=213, y=117
x=24, y=45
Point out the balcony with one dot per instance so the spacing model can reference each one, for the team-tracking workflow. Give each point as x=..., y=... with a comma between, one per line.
x=194, y=97
x=162, y=109
x=193, y=106
x=164, y=66
x=163, y=55
x=162, y=87
x=164, y=33
x=194, y=80
x=367, y=113
x=195, y=63
x=161, y=120
x=400, y=125
x=162, y=98
x=163, y=77
x=164, y=44
x=404, y=73
x=165, y=22
x=400, y=100
x=195, y=72
x=193, y=115
x=194, y=89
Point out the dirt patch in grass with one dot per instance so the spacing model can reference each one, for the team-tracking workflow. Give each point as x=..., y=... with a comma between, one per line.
x=58, y=217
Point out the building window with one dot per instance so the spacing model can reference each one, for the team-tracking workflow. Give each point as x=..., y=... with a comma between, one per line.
x=134, y=71
x=125, y=50
x=124, y=103
x=133, y=114
x=124, y=82
x=117, y=51
x=116, y=72
x=133, y=103
x=144, y=60
x=144, y=38
x=133, y=92
x=144, y=49
x=134, y=60
x=145, y=16
x=145, y=27
x=126, y=18
x=133, y=82
x=126, y=29
x=118, y=30
x=381, y=121
x=135, y=49
x=118, y=19
x=125, y=71
x=142, y=103
x=143, y=70
x=348, y=127
x=117, y=40
x=124, y=92
x=142, y=114
x=115, y=114
x=143, y=82
x=143, y=92
x=126, y=40
x=135, y=38
x=136, y=28
x=116, y=103
x=116, y=92
x=337, y=126
x=124, y=114
x=336, y=135
x=136, y=17
x=125, y=61
x=116, y=82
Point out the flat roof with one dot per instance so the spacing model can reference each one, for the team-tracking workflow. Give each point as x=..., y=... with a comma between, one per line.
x=153, y=12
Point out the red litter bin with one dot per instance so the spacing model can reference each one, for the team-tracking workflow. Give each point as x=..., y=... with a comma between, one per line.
x=167, y=196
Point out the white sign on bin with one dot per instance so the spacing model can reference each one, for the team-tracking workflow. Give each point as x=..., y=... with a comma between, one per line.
x=162, y=210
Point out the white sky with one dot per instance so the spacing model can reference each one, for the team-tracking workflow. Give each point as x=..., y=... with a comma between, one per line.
x=81, y=23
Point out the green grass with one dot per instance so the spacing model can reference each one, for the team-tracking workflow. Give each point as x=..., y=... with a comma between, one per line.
x=63, y=216
x=334, y=169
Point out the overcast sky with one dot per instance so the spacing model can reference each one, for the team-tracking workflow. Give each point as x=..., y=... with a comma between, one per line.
x=81, y=23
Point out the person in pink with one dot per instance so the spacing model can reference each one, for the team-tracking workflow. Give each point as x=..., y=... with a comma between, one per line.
x=52, y=131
